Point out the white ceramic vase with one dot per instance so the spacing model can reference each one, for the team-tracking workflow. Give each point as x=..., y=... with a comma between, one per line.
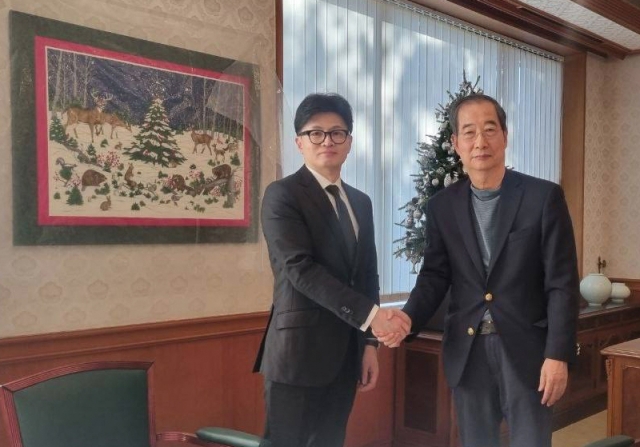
x=619, y=292
x=595, y=288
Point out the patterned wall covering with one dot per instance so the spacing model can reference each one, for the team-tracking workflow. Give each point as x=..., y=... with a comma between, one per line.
x=612, y=166
x=51, y=289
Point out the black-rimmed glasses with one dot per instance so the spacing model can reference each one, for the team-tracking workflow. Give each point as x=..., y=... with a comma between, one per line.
x=338, y=136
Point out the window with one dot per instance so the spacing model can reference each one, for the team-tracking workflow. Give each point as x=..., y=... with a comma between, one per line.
x=395, y=63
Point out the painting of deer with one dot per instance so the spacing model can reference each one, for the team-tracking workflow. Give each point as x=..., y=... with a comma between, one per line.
x=91, y=117
x=201, y=137
x=114, y=121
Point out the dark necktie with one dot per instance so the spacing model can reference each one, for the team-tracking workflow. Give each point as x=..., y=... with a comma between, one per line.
x=345, y=221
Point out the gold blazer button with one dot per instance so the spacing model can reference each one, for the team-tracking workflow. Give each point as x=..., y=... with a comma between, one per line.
x=471, y=331
x=488, y=297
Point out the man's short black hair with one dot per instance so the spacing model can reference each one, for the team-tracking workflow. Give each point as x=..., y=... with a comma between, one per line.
x=476, y=97
x=323, y=103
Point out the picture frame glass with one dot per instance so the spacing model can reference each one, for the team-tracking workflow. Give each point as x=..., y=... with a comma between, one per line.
x=129, y=141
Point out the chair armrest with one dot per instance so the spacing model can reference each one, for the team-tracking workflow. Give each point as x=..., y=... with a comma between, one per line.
x=233, y=438
x=613, y=441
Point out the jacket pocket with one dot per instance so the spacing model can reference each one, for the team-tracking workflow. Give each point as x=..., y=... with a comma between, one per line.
x=297, y=318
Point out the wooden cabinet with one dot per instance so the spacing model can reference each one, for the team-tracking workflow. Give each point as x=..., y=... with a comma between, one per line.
x=424, y=408
x=597, y=328
x=623, y=365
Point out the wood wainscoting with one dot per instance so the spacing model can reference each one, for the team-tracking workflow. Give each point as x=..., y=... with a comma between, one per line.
x=202, y=372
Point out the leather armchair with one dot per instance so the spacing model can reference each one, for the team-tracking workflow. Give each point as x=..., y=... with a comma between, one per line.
x=99, y=404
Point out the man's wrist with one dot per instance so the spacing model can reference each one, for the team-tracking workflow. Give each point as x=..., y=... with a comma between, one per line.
x=372, y=342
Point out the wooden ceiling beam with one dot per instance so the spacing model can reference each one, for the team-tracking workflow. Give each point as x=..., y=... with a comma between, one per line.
x=560, y=27
x=537, y=22
x=618, y=11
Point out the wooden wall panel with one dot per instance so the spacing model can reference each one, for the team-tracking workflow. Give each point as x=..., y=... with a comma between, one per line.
x=421, y=396
x=202, y=372
x=573, y=128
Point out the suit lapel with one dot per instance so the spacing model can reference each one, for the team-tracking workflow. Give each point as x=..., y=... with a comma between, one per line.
x=320, y=199
x=510, y=197
x=462, y=210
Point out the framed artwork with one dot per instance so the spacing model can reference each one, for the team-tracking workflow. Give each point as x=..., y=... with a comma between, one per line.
x=119, y=140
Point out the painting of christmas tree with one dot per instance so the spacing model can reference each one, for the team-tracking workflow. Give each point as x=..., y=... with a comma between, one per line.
x=155, y=143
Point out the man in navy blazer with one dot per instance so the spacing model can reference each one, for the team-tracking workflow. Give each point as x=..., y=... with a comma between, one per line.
x=502, y=243
x=319, y=231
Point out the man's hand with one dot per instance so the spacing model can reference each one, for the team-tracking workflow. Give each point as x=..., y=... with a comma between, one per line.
x=370, y=369
x=553, y=380
x=391, y=326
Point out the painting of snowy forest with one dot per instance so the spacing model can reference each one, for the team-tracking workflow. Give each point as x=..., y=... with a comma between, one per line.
x=154, y=143
x=126, y=140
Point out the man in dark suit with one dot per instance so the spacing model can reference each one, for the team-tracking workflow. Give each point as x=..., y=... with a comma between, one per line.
x=503, y=243
x=318, y=344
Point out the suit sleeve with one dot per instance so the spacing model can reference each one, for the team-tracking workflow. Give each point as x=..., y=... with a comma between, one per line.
x=433, y=279
x=371, y=267
x=561, y=280
x=371, y=271
x=291, y=249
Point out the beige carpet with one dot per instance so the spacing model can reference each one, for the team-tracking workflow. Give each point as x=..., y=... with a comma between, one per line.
x=582, y=432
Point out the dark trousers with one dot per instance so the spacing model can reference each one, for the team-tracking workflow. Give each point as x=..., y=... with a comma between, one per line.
x=489, y=391
x=301, y=416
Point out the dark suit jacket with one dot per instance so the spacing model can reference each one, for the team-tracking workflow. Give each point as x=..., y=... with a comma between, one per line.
x=532, y=277
x=319, y=297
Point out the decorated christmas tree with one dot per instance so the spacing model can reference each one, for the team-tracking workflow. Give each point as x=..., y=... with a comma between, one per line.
x=439, y=166
x=155, y=143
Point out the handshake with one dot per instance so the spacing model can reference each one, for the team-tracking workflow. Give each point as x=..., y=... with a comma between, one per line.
x=390, y=326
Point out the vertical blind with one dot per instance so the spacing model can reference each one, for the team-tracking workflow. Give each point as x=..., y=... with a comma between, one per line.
x=395, y=63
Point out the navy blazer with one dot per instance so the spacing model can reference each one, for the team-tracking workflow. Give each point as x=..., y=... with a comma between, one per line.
x=532, y=278
x=320, y=297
